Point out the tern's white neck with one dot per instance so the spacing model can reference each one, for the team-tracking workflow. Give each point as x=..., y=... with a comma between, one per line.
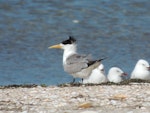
x=68, y=51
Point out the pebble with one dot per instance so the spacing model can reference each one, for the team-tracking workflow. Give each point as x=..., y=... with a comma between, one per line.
x=24, y=112
x=130, y=112
x=89, y=112
x=113, y=102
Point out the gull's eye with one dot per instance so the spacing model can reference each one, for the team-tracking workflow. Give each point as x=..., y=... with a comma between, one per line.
x=118, y=71
x=102, y=70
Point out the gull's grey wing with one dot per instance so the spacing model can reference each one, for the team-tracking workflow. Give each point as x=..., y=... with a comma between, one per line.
x=76, y=63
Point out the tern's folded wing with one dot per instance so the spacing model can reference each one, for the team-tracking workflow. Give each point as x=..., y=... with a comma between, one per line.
x=75, y=67
x=76, y=63
x=76, y=58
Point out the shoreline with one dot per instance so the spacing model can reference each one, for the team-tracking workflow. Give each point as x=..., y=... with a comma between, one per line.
x=125, y=82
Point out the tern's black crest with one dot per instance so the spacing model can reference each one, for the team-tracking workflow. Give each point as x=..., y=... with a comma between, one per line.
x=71, y=40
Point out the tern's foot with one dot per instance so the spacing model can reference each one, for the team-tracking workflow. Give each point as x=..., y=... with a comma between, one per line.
x=73, y=82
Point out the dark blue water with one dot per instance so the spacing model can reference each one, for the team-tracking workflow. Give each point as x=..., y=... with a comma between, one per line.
x=117, y=29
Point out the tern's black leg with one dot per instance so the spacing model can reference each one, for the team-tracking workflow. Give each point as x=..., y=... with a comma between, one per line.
x=82, y=80
x=73, y=80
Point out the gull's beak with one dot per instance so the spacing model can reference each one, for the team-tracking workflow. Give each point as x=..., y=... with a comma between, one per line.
x=148, y=68
x=58, y=46
x=124, y=74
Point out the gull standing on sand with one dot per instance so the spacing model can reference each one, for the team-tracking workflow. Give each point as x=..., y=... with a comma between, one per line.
x=141, y=70
x=79, y=66
x=97, y=76
x=115, y=75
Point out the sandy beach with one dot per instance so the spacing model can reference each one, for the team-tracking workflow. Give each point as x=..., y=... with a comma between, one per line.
x=131, y=98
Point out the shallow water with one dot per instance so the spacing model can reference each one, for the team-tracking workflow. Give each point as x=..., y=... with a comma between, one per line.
x=116, y=29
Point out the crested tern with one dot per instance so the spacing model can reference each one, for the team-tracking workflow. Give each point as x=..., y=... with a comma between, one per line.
x=115, y=75
x=141, y=70
x=79, y=66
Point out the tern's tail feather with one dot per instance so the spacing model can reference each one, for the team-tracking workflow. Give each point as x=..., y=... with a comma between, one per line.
x=93, y=62
x=84, y=73
x=102, y=59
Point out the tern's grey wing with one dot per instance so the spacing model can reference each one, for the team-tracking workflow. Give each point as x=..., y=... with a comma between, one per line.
x=75, y=67
x=76, y=58
x=76, y=63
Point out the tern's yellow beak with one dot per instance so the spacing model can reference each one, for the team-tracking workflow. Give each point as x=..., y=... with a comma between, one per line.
x=58, y=46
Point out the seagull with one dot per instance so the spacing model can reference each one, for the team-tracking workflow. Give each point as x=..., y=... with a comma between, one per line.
x=115, y=75
x=97, y=76
x=141, y=70
x=79, y=66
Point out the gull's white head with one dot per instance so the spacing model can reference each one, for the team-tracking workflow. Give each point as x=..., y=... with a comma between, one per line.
x=97, y=76
x=115, y=75
x=101, y=68
x=142, y=64
x=141, y=70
